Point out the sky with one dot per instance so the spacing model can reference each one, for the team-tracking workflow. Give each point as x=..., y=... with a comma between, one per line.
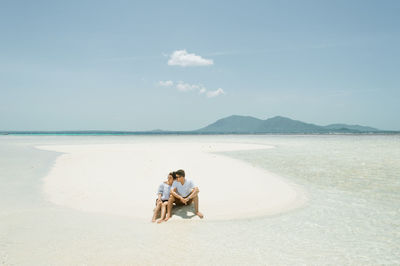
x=181, y=65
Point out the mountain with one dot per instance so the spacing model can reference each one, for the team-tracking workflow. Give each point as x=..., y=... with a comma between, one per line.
x=351, y=127
x=234, y=123
x=280, y=124
x=277, y=124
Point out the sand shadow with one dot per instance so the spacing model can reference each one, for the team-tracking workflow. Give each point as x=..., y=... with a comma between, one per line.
x=184, y=211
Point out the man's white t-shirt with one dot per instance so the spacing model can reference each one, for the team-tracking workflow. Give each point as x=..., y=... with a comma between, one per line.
x=185, y=189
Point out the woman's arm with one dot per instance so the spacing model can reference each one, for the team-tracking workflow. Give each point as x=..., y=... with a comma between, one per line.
x=159, y=197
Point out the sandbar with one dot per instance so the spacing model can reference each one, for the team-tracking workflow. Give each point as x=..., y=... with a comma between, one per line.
x=122, y=179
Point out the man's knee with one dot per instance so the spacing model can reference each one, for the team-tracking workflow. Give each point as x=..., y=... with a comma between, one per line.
x=171, y=199
x=196, y=197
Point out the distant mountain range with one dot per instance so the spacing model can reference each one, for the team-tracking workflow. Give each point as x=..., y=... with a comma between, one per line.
x=278, y=124
x=237, y=124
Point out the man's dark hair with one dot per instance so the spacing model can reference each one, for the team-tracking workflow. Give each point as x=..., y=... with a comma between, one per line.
x=173, y=174
x=180, y=172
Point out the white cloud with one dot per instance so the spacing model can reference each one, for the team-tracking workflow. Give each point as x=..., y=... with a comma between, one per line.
x=183, y=58
x=182, y=86
x=215, y=93
x=186, y=87
x=167, y=83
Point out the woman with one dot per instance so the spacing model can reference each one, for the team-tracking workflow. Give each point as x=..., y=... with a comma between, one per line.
x=163, y=197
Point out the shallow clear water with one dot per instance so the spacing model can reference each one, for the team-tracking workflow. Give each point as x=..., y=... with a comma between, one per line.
x=352, y=216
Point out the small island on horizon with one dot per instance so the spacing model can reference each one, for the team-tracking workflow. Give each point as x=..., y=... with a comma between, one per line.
x=238, y=124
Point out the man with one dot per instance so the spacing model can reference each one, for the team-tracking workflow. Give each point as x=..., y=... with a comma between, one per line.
x=183, y=192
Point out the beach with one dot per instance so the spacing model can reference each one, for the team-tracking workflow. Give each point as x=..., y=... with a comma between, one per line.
x=73, y=200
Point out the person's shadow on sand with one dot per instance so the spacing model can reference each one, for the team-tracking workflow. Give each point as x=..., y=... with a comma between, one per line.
x=184, y=211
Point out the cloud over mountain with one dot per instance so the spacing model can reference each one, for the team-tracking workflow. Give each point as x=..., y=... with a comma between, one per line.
x=211, y=94
x=167, y=83
x=187, y=87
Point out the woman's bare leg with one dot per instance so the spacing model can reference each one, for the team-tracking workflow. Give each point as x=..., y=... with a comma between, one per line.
x=163, y=211
x=156, y=210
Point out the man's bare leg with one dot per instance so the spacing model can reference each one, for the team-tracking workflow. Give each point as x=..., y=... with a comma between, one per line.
x=156, y=210
x=169, y=207
x=194, y=193
x=196, y=206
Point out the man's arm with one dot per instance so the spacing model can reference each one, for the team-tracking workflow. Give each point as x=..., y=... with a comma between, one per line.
x=192, y=194
x=176, y=195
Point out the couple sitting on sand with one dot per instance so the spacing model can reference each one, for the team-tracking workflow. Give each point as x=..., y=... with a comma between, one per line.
x=179, y=190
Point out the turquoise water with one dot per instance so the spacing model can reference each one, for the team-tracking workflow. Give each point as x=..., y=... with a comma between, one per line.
x=352, y=217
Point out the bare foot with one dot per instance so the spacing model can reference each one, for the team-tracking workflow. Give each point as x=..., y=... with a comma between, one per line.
x=166, y=218
x=153, y=220
x=160, y=221
x=200, y=215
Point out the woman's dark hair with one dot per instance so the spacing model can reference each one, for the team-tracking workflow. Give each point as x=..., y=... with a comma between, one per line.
x=180, y=172
x=173, y=174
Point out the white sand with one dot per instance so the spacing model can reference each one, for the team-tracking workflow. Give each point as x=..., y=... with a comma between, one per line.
x=122, y=179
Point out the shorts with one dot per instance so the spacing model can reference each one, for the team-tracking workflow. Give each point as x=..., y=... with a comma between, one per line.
x=178, y=202
x=161, y=200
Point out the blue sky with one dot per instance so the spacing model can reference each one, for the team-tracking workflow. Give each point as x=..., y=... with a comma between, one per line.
x=180, y=65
